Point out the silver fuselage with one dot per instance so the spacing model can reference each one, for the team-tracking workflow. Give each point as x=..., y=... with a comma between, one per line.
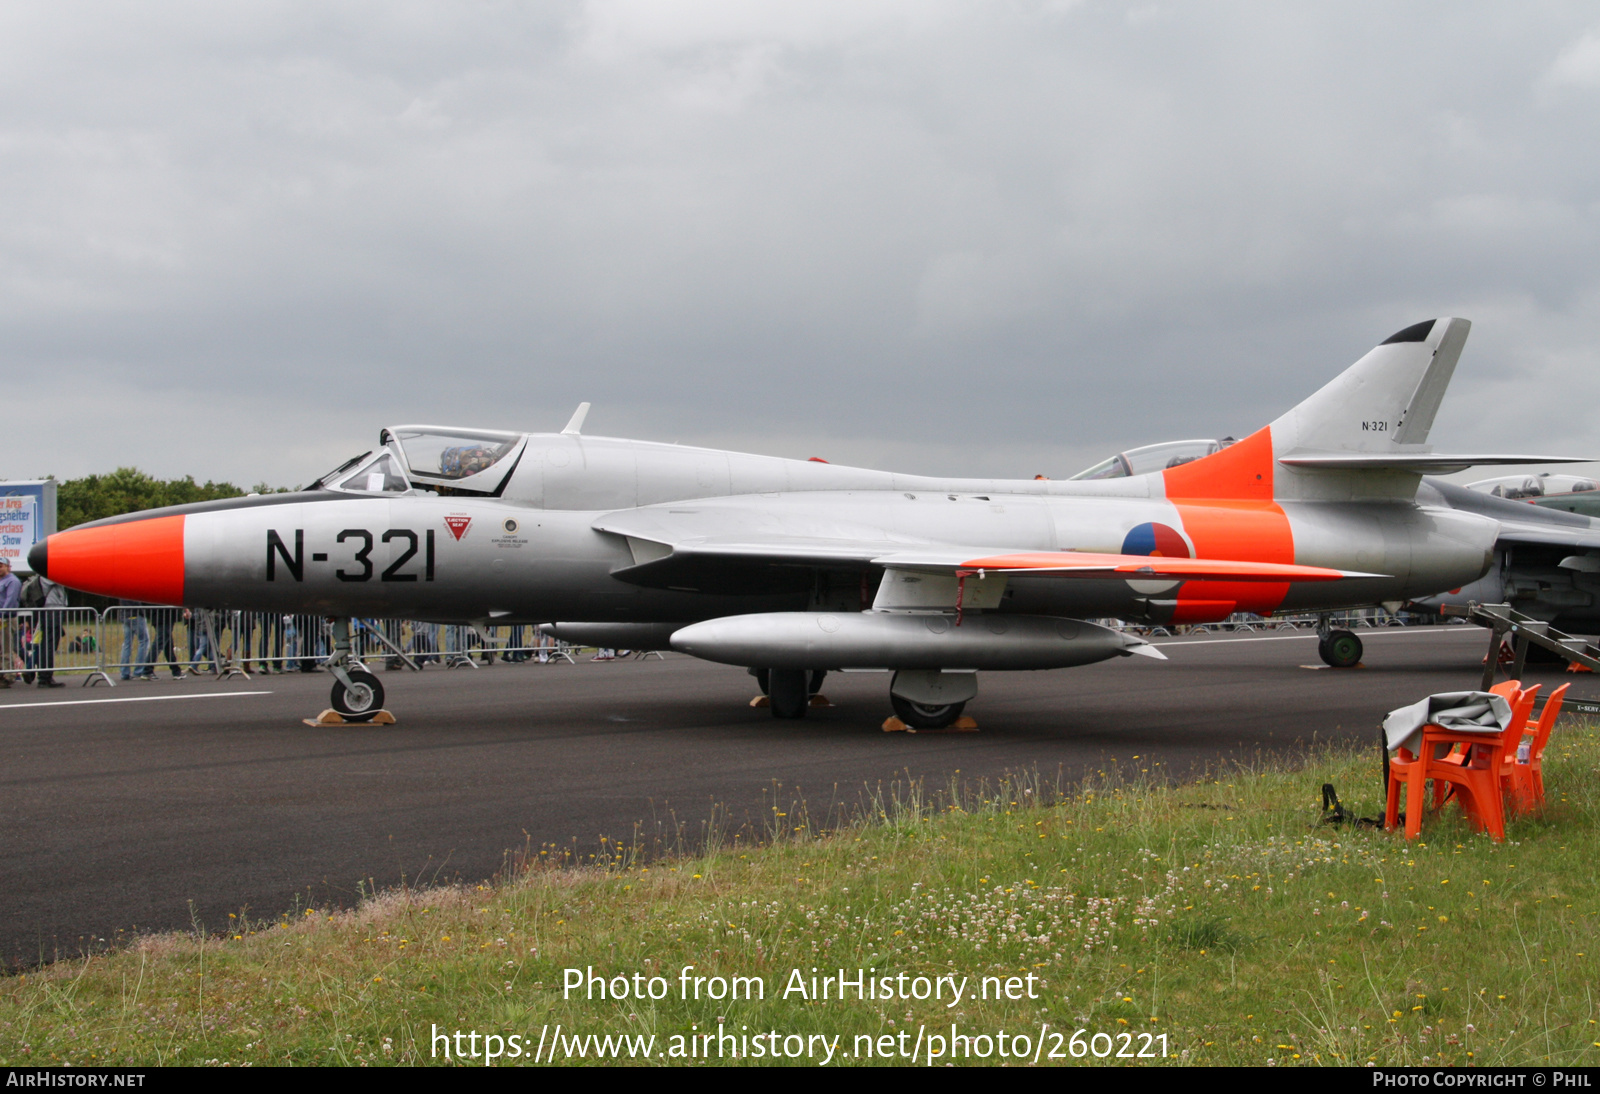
x=399, y=555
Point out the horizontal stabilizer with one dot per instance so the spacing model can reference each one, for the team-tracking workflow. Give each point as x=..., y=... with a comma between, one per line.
x=1421, y=463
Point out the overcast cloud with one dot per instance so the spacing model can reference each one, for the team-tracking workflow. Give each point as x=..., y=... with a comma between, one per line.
x=996, y=238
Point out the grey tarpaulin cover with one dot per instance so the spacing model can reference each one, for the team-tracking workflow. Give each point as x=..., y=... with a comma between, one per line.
x=1472, y=711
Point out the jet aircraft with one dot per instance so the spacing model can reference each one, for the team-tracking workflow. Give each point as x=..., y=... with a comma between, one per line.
x=1546, y=559
x=1554, y=491
x=794, y=568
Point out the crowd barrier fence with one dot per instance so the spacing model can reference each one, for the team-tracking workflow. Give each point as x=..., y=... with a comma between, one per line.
x=147, y=642
x=128, y=642
x=43, y=643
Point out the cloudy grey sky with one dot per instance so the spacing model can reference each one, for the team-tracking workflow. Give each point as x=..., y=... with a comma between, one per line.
x=991, y=238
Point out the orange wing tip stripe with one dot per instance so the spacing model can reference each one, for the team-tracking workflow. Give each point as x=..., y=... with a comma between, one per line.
x=138, y=560
x=1144, y=566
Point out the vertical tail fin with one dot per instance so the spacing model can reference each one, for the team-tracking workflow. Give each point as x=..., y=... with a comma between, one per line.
x=1382, y=405
x=1385, y=400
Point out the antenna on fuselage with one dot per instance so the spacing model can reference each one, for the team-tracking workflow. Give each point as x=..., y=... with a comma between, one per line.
x=575, y=426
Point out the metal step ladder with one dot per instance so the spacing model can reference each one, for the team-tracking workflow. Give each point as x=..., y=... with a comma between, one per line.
x=1503, y=619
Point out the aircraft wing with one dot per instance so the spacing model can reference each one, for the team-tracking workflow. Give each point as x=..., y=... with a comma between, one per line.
x=711, y=550
x=1578, y=539
x=1520, y=522
x=1083, y=564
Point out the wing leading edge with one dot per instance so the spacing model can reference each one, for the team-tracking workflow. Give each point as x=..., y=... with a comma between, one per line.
x=1083, y=564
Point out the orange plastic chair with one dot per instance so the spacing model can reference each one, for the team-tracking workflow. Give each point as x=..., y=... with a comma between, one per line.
x=1522, y=780
x=1506, y=689
x=1473, y=770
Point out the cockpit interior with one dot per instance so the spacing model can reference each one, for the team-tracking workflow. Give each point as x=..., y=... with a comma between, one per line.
x=1152, y=457
x=430, y=459
x=1519, y=487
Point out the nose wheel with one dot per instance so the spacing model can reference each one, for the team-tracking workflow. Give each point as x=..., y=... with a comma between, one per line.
x=357, y=696
x=360, y=699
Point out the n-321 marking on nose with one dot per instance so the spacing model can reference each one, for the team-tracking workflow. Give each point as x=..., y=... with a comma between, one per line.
x=278, y=552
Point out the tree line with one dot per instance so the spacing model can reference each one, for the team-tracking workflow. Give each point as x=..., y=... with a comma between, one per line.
x=129, y=490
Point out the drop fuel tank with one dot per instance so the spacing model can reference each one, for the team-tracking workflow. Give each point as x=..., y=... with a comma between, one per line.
x=894, y=640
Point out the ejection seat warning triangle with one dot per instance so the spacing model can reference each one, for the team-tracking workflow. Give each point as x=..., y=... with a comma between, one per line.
x=458, y=524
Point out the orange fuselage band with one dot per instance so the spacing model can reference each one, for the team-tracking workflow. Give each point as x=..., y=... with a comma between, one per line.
x=1226, y=504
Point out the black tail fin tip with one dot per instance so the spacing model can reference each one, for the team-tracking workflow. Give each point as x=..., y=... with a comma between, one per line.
x=1417, y=332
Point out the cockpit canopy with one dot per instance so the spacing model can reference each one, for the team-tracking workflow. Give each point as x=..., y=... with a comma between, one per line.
x=431, y=458
x=1152, y=457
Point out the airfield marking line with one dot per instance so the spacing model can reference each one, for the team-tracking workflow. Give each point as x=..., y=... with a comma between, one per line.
x=133, y=699
x=1291, y=637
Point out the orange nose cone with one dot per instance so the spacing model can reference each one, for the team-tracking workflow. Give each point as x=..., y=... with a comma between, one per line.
x=135, y=560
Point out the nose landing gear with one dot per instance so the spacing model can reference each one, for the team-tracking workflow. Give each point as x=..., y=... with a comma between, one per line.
x=357, y=695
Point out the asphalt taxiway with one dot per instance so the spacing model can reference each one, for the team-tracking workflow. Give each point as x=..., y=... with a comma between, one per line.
x=157, y=806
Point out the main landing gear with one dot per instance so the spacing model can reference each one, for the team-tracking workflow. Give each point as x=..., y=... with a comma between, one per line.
x=922, y=699
x=789, y=693
x=931, y=699
x=1338, y=649
x=925, y=715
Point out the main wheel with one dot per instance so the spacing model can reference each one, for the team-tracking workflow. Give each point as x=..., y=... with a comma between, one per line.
x=789, y=692
x=923, y=715
x=361, y=700
x=1340, y=649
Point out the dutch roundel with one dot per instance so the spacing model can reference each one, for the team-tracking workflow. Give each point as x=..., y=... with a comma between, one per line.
x=1156, y=539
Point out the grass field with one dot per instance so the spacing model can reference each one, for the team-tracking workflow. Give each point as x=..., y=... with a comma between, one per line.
x=1208, y=923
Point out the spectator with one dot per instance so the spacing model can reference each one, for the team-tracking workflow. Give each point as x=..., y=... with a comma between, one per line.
x=223, y=634
x=516, y=652
x=200, y=651
x=135, y=633
x=47, y=628
x=391, y=631
x=10, y=595
x=271, y=649
x=162, y=621
x=425, y=643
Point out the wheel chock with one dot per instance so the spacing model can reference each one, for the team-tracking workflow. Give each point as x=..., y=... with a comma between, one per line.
x=761, y=701
x=963, y=724
x=820, y=700
x=1319, y=668
x=331, y=717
